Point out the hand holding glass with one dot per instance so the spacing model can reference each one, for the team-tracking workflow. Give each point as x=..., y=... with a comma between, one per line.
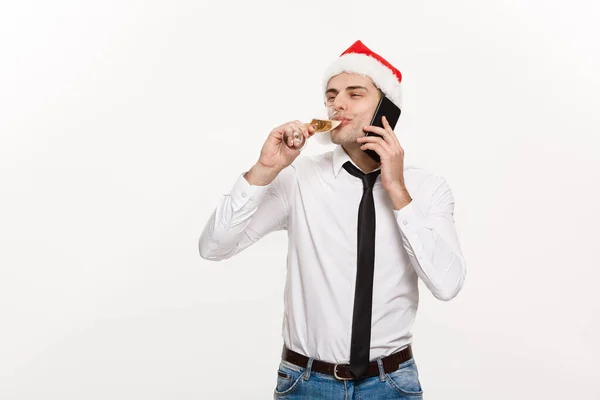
x=297, y=141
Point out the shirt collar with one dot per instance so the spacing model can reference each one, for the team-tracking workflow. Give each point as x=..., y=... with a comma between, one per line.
x=339, y=158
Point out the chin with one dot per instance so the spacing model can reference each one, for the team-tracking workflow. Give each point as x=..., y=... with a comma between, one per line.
x=337, y=138
x=327, y=138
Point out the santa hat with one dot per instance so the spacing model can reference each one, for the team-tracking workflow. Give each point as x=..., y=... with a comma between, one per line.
x=359, y=59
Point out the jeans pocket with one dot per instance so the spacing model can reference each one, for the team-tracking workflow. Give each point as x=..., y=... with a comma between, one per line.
x=289, y=378
x=405, y=379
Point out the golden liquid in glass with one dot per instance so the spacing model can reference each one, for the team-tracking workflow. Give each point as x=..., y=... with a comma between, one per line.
x=324, y=125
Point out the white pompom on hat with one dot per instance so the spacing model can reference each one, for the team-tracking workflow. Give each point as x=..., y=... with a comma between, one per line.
x=359, y=59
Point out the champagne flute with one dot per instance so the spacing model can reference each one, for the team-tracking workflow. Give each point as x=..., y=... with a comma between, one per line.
x=322, y=123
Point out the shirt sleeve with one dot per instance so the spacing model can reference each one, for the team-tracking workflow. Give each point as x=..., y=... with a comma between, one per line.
x=431, y=241
x=243, y=216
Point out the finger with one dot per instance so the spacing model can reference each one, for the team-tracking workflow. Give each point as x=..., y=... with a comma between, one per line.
x=377, y=148
x=288, y=134
x=289, y=129
x=388, y=128
x=289, y=125
x=377, y=130
x=377, y=140
x=387, y=132
x=282, y=127
x=390, y=141
x=300, y=127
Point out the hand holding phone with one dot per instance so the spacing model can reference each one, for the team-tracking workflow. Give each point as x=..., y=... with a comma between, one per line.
x=392, y=114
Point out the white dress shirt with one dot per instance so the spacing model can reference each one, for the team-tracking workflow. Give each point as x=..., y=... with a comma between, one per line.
x=317, y=202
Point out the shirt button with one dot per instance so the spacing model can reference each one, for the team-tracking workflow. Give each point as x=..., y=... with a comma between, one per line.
x=243, y=195
x=404, y=222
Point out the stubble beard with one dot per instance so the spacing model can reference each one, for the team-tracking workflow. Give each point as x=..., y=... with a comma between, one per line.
x=349, y=134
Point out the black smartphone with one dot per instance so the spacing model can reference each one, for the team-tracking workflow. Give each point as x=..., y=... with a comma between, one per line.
x=391, y=112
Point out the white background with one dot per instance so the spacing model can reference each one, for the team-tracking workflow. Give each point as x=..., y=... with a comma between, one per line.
x=123, y=122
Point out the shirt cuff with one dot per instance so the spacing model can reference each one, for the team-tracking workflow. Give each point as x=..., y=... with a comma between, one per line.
x=410, y=219
x=243, y=193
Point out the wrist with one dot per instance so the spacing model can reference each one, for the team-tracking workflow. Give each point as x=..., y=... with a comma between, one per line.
x=260, y=175
x=400, y=197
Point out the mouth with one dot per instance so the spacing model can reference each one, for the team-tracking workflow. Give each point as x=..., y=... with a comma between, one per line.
x=343, y=121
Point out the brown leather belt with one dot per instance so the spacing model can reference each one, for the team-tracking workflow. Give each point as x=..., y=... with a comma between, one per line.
x=342, y=371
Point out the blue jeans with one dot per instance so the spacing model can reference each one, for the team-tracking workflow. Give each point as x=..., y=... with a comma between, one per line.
x=296, y=383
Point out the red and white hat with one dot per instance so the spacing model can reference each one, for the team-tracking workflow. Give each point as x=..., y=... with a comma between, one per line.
x=359, y=59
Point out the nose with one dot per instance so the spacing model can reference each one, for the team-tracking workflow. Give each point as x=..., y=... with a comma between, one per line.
x=339, y=104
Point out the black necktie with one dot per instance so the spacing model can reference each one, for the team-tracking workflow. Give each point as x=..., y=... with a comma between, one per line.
x=360, y=344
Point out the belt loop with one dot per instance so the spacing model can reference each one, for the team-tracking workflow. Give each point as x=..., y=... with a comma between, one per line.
x=381, y=370
x=308, y=369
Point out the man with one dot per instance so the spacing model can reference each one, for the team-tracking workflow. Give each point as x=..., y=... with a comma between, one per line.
x=361, y=233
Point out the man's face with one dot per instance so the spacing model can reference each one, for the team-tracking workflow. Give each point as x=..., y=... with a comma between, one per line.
x=355, y=99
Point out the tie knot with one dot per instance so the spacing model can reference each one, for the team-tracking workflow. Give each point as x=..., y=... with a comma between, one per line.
x=368, y=179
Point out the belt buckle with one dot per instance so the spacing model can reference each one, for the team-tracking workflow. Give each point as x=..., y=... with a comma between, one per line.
x=335, y=374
